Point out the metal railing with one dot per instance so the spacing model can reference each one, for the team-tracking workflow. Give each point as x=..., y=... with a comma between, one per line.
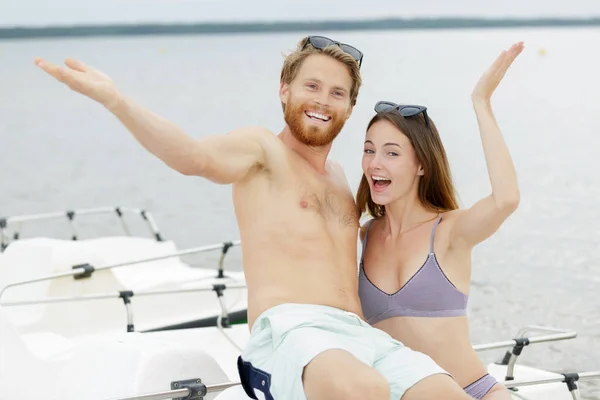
x=520, y=342
x=86, y=270
x=126, y=296
x=119, y=294
x=189, y=389
x=195, y=389
x=83, y=271
x=70, y=215
x=559, y=334
x=570, y=379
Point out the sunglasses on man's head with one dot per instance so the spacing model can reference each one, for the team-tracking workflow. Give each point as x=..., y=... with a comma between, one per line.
x=321, y=42
x=406, y=110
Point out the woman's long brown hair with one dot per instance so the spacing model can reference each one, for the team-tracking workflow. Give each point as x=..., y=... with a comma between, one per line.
x=436, y=191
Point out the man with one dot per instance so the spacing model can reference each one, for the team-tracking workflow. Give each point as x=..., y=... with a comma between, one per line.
x=308, y=337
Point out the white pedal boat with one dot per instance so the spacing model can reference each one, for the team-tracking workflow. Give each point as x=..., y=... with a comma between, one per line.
x=141, y=324
x=110, y=284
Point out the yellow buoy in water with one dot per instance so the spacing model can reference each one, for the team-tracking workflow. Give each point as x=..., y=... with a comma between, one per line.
x=542, y=52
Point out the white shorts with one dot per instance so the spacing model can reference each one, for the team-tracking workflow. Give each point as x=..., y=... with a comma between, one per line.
x=285, y=338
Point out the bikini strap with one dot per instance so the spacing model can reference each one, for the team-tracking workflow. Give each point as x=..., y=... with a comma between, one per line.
x=364, y=242
x=433, y=233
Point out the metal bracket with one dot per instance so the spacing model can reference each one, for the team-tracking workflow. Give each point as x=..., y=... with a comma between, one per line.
x=126, y=295
x=512, y=358
x=226, y=247
x=3, y=241
x=219, y=288
x=197, y=389
x=71, y=216
x=87, y=272
x=571, y=382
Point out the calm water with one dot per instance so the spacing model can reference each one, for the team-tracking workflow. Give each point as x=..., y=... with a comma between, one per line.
x=59, y=150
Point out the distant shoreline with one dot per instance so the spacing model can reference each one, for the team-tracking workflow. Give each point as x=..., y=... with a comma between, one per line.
x=8, y=33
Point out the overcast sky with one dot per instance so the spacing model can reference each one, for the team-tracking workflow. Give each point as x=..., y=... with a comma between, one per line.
x=59, y=12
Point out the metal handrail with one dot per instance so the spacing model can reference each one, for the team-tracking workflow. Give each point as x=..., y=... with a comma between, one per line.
x=117, y=295
x=87, y=269
x=181, y=393
x=70, y=215
x=61, y=214
x=536, y=339
x=520, y=342
x=555, y=379
x=126, y=296
x=540, y=328
x=570, y=379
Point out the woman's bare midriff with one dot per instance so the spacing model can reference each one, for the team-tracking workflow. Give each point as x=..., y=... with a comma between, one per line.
x=445, y=340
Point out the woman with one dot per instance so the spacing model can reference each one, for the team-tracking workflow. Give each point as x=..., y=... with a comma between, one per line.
x=416, y=258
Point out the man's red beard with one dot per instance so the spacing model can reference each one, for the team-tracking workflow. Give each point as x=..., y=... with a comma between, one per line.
x=311, y=135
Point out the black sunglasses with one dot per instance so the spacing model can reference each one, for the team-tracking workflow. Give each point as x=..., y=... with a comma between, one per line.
x=406, y=110
x=320, y=42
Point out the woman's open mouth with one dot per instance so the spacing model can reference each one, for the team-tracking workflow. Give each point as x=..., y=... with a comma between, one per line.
x=380, y=183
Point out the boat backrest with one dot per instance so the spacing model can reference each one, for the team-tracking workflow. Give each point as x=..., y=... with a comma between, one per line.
x=36, y=257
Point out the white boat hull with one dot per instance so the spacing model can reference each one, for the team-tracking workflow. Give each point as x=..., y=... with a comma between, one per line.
x=113, y=366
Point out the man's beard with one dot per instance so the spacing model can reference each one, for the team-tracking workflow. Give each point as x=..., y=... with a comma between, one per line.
x=312, y=135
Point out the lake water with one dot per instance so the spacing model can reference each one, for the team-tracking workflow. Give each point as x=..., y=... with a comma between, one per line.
x=61, y=151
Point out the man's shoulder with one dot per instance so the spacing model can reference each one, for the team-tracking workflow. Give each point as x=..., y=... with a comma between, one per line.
x=257, y=132
x=268, y=141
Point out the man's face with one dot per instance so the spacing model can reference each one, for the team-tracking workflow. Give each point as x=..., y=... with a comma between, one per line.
x=317, y=100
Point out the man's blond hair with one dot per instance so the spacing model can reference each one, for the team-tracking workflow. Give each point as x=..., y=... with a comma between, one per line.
x=294, y=61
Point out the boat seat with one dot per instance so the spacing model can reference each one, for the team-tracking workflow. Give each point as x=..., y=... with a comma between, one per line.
x=35, y=257
x=32, y=258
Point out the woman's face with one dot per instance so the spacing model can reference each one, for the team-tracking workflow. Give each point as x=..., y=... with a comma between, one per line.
x=389, y=163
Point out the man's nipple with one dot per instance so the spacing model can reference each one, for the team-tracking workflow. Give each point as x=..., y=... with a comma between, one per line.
x=303, y=203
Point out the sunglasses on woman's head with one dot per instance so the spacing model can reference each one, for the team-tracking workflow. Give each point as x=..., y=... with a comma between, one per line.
x=406, y=110
x=321, y=42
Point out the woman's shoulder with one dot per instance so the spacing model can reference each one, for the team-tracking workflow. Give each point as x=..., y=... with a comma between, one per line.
x=445, y=229
x=452, y=215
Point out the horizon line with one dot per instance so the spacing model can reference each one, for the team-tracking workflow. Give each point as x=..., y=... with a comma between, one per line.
x=208, y=28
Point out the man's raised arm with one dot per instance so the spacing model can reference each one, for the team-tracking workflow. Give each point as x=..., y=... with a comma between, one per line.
x=219, y=158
